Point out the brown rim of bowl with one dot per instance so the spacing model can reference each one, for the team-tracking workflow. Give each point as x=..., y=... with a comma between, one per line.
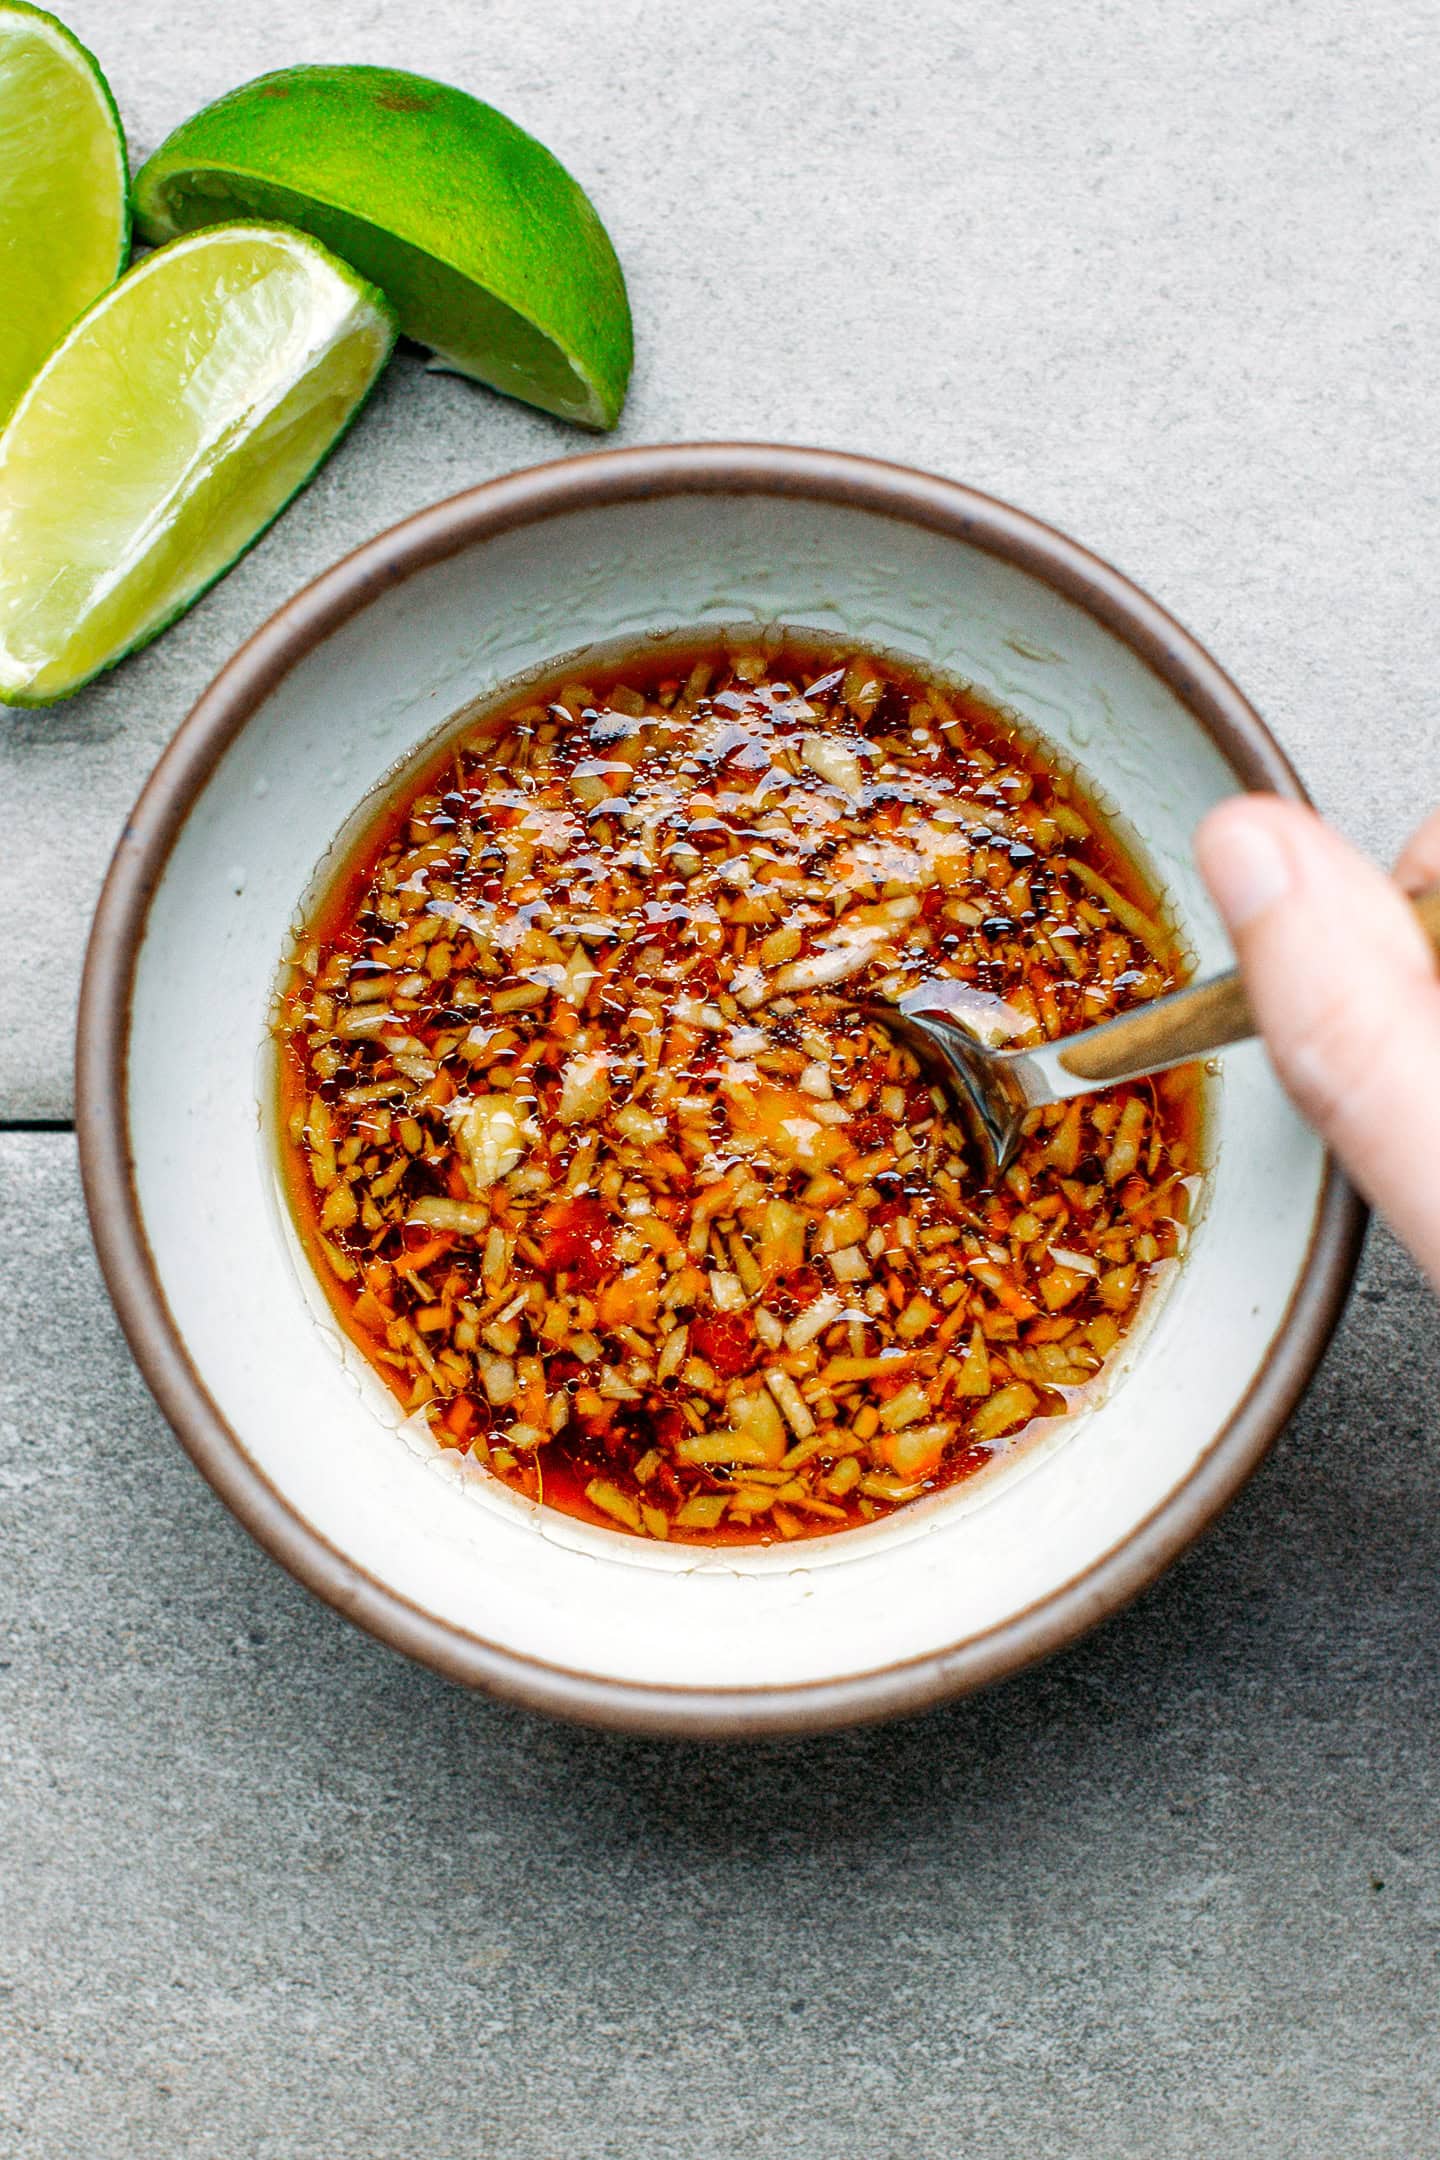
x=498, y=506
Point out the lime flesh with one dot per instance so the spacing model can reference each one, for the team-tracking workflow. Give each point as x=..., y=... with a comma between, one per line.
x=162, y=437
x=64, y=205
x=491, y=253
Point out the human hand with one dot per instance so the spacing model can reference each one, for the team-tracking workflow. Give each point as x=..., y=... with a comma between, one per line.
x=1346, y=991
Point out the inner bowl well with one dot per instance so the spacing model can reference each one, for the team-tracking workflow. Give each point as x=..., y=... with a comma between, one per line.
x=238, y=823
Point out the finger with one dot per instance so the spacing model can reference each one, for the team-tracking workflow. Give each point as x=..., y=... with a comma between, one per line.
x=1343, y=984
x=1419, y=864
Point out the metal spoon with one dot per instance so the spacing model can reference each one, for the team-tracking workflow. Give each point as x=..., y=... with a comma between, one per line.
x=997, y=1088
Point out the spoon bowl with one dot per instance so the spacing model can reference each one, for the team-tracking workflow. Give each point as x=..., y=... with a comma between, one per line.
x=956, y=1035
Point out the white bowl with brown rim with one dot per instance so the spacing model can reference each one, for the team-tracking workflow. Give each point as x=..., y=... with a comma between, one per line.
x=233, y=831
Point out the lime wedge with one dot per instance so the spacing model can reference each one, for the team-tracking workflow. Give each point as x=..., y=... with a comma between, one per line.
x=162, y=436
x=491, y=254
x=64, y=210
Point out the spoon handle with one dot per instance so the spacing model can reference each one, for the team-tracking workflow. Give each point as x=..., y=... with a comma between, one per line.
x=1169, y=1031
x=1188, y=1024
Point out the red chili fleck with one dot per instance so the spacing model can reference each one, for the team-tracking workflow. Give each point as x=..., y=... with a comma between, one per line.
x=578, y=1240
x=724, y=1340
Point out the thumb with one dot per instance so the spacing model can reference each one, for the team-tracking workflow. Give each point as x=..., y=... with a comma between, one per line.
x=1343, y=984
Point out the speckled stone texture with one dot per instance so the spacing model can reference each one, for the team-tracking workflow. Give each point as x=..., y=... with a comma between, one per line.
x=269, y=1891
x=1166, y=277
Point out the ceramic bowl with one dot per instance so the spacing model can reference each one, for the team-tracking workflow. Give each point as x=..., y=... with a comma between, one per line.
x=293, y=1431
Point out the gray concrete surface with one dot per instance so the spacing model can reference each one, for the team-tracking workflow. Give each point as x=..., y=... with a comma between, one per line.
x=1164, y=276
x=1161, y=275
x=267, y=1891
